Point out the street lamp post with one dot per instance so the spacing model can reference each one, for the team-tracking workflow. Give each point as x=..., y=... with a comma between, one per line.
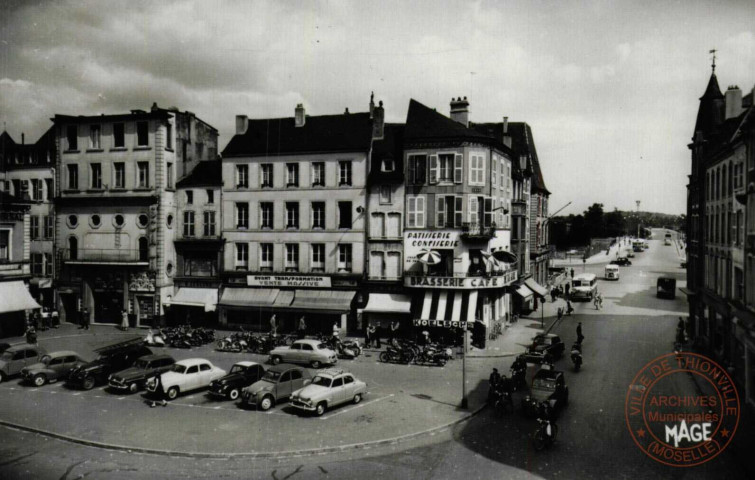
x=464, y=402
x=638, y=218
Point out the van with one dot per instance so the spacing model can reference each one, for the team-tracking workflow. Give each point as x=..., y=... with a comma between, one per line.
x=584, y=285
x=611, y=272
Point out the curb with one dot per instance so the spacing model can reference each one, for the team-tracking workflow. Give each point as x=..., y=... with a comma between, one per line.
x=268, y=455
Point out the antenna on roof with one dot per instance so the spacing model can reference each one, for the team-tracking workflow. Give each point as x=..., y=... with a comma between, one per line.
x=713, y=65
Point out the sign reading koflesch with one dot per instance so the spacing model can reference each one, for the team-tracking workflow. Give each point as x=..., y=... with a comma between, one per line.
x=287, y=281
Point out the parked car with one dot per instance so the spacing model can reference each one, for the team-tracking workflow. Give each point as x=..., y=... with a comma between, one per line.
x=548, y=386
x=51, y=367
x=308, y=351
x=684, y=264
x=14, y=359
x=4, y=346
x=622, y=261
x=135, y=377
x=185, y=376
x=111, y=358
x=630, y=253
x=666, y=288
x=548, y=345
x=242, y=375
x=328, y=389
x=277, y=385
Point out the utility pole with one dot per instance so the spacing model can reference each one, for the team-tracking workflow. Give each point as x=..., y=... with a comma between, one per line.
x=638, y=218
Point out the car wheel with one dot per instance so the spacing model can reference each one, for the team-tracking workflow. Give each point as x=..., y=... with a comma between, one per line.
x=357, y=398
x=315, y=364
x=133, y=387
x=266, y=403
x=275, y=360
x=320, y=409
x=441, y=362
x=39, y=380
x=88, y=383
x=233, y=394
x=384, y=357
x=172, y=393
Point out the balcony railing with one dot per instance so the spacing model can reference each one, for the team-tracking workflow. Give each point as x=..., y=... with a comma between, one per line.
x=105, y=255
x=477, y=230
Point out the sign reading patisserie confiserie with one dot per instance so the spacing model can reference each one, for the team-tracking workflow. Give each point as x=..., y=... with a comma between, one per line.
x=287, y=281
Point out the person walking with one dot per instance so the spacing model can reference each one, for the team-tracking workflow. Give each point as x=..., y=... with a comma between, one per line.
x=572, y=273
x=124, y=320
x=566, y=290
x=560, y=313
x=394, y=331
x=31, y=335
x=301, y=329
x=85, y=318
x=273, y=326
x=569, y=308
x=368, y=336
x=580, y=337
x=376, y=335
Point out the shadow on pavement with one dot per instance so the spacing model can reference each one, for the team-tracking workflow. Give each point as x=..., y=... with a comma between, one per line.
x=646, y=299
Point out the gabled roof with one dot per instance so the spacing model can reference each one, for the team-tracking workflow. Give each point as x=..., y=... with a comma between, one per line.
x=425, y=124
x=348, y=132
x=710, y=114
x=205, y=174
x=389, y=147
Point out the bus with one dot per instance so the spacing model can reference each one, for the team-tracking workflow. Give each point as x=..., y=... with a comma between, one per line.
x=584, y=285
x=637, y=246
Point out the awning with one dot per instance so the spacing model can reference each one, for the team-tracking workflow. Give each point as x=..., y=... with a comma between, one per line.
x=324, y=300
x=248, y=297
x=284, y=298
x=505, y=257
x=536, y=287
x=15, y=297
x=524, y=292
x=447, y=308
x=206, y=298
x=389, y=303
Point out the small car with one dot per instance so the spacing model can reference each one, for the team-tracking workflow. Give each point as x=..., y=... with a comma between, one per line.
x=13, y=360
x=242, y=375
x=548, y=345
x=277, y=385
x=621, y=261
x=185, y=376
x=51, y=367
x=548, y=386
x=666, y=288
x=112, y=358
x=307, y=351
x=328, y=389
x=135, y=377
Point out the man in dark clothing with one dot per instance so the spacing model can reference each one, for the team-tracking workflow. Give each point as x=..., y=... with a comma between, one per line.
x=572, y=273
x=394, y=331
x=580, y=337
x=566, y=290
x=493, y=383
x=368, y=336
x=85, y=318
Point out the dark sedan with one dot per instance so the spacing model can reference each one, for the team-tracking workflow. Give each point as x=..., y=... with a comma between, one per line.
x=621, y=261
x=242, y=375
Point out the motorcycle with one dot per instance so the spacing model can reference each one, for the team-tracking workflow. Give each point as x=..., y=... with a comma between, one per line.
x=576, y=356
x=518, y=374
x=396, y=355
x=431, y=354
x=348, y=349
x=545, y=435
x=154, y=339
x=502, y=401
x=530, y=407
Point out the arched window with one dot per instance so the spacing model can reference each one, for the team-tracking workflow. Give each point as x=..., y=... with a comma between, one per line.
x=143, y=249
x=73, y=248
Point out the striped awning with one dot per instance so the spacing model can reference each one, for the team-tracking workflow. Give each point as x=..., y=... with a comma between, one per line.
x=324, y=300
x=444, y=308
x=249, y=297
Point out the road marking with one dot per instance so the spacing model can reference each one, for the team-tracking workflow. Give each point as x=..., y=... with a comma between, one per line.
x=76, y=394
x=121, y=398
x=325, y=417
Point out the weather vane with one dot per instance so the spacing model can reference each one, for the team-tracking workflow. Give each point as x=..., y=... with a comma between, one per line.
x=713, y=52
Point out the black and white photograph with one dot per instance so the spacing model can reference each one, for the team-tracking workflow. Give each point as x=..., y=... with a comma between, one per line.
x=343, y=239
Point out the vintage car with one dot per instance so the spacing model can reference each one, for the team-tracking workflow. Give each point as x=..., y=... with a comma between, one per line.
x=135, y=377
x=4, y=346
x=329, y=388
x=309, y=352
x=547, y=386
x=111, y=358
x=185, y=376
x=548, y=347
x=666, y=288
x=13, y=360
x=51, y=367
x=278, y=383
x=621, y=261
x=242, y=375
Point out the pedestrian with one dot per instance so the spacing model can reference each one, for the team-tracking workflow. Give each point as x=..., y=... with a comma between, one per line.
x=566, y=290
x=377, y=331
x=124, y=320
x=302, y=328
x=368, y=336
x=554, y=293
x=31, y=335
x=394, y=331
x=560, y=313
x=572, y=273
x=580, y=337
x=569, y=308
x=55, y=319
x=336, y=330
x=273, y=326
x=680, y=325
x=85, y=318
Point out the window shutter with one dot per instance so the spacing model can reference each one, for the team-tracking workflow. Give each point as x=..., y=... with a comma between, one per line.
x=412, y=170
x=433, y=169
x=410, y=207
x=459, y=201
x=420, y=211
x=440, y=211
x=421, y=170
x=458, y=168
x=488, y=212
x=494, y=171
x=472, y=210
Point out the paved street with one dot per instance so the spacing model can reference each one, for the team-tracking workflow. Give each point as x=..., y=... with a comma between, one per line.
x=633, y=328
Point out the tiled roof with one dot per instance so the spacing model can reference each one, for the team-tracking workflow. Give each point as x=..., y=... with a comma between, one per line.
x=40, y=154
x=425, y=124
x=348, y=132
x=205, y=174
x=389, y=147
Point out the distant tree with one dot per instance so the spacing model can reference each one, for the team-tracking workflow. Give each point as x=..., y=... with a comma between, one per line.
x=594, y=221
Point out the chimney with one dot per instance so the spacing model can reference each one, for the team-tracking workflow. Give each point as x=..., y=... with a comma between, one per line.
x=23, y=137
x=506, y=136
x=460, y=111
x=378, y=121
x=155, y=107
x=242, y=123
x=372, y=103
x=733, y=98
x=299, y=117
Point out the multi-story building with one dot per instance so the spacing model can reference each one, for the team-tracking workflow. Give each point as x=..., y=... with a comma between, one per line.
x=294, y=219
x=15, y=272
x=116, y=209
x=199, y=246
x=28, y=174
x=458, y=215
x=720, y=268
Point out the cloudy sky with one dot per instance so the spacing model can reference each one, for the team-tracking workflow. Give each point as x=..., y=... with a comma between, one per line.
x=610, y=88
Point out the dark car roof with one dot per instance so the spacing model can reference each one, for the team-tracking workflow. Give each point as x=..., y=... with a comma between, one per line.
x=155, y=356
x=282, y=367
x=549, y=374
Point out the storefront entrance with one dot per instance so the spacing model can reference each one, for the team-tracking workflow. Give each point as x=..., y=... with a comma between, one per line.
x=108, y=306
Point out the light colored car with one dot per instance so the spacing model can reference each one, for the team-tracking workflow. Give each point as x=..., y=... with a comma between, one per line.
x=329, y=388
x=51, y=368
x=185, y=376
x=276, y=385
x=307, y=351
x=17, y=357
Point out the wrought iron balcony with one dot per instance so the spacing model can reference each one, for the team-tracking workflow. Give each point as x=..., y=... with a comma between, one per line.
x=105, y=255
x=477, y=231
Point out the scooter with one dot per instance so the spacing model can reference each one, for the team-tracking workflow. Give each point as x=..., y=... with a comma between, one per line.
x=545, y=435
x=342, y=350
x=154, y=339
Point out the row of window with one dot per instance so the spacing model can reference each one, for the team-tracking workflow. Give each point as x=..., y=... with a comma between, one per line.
x=449, y=168
x=41, y=264
x=95, y=220
x=317, y=175
x=118, y=136
x=118, y=176
x=292, y=218
x=41, y=189
x=210, y=196
x=42, y=227
x=208, y=224
x=449, y=211
x=385, y=265
x=726, y=228
x=719, y=184
x=142, y=254
x=291, y=257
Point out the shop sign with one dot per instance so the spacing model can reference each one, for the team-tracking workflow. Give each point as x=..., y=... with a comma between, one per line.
x=468, y=283
x=287, y=281
x=439, y=323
